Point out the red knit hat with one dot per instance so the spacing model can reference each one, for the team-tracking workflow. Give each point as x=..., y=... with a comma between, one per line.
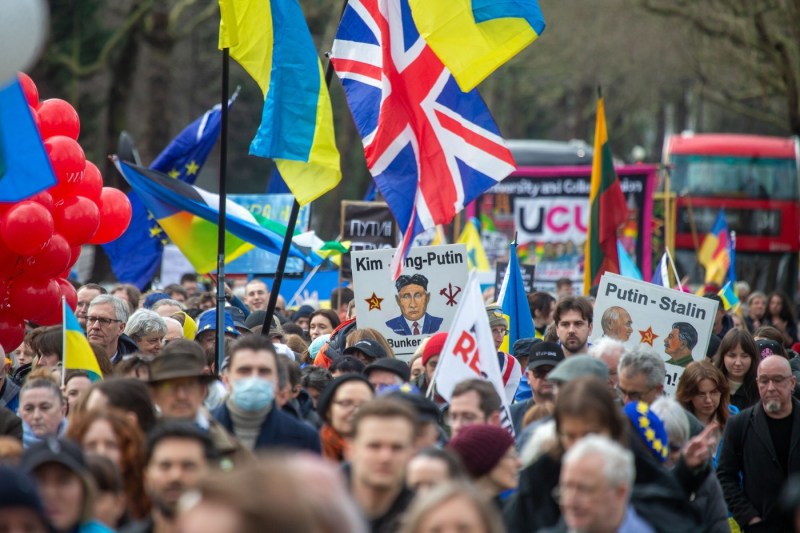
x=481, y=447
x=433, y=347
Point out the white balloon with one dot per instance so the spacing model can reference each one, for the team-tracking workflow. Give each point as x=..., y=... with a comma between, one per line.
x=23, y=30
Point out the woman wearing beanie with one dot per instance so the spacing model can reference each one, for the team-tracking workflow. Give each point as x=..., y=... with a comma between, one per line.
x=489, y=457
x=337, y=406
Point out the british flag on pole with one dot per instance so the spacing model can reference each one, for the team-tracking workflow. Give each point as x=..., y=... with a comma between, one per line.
x=430, y=147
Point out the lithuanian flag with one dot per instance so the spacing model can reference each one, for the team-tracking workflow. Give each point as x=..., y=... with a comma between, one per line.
x=608, y=209
x=78, y=354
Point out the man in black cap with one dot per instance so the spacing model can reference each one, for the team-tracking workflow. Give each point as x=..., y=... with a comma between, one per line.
x=366, y=350
x=544, y=357
x=387, y=372
x=178, y=386
x=413, y=298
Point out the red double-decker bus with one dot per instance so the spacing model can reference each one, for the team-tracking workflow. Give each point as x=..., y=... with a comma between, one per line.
x=756, y=180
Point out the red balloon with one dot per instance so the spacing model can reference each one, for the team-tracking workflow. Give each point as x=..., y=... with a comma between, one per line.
x=58, y=117
x=44, y=198
x=76, y=219
x=49, y=262
x=12, y=330
x=92, y=184
x=75, y=252
x=115, y=215
x=30, y=91
x=52, y=319
x=34, y=299
x=26, y=227
x=35, y=116
x=68, y=292
x=67, y=158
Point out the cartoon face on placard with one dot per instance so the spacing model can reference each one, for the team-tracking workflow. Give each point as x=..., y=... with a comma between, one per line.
x=421, y=302
x=675, y=324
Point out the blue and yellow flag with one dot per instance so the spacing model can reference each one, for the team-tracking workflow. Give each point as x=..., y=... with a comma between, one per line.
x=476, y=254
x=474, y=37
x=730, y=300
x=271, y=41
x=24, y=166
x=715, y=252
x=78, y=354
x=514, y=301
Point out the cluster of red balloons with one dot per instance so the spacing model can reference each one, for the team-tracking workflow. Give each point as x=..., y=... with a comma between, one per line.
x=41, y=236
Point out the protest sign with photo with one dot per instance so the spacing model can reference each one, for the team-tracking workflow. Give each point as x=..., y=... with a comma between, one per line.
x=676, y=324
x=422, y=301
x=368, y=226
x=548, y=209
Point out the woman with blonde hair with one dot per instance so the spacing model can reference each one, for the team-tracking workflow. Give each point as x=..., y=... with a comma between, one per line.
x=452, y=507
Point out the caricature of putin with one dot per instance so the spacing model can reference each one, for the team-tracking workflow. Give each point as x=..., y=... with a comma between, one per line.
x=413, y=298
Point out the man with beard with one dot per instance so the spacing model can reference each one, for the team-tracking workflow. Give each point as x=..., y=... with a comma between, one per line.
x=573, y=319
x=759, y=450
x=178, y=456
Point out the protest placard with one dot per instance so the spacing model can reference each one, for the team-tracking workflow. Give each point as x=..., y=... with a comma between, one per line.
x=528, y=274
x=676, y=324
x=368, y=226
x=422, y=301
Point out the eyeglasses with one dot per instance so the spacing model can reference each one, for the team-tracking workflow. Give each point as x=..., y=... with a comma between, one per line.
x=103, y=321
x=632, y=396
x=348, y=404
x=763, y=381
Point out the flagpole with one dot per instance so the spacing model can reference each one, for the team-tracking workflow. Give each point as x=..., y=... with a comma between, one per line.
x=219, y=342
x=274, y=291
x=63, y=342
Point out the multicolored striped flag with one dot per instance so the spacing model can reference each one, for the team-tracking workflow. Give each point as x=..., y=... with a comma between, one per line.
x=189, y=215
x=78, y=353
x=271, y=41
x=715, y=252
x=608, y=208
x=474, y=37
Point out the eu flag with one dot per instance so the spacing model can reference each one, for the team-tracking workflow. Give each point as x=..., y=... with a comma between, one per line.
x=136, y=256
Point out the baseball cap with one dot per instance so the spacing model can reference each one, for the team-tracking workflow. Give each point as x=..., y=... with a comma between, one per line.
x=53, y=450
x=395, y=366
x=545, y=353
x=496, y=316
x=522, y=347
x=578, y=366
x=368, y=347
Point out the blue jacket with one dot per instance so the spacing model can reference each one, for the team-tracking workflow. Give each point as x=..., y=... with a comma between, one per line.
x=279, y=430
x=429, y=324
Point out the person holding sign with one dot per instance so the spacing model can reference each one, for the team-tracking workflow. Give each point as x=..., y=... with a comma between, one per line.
x=413, y=298
x=679, y=343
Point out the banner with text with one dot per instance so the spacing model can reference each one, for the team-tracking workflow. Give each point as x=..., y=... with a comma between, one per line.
x=368, y=226
x=548, y=208
x=676, y=324
x=275, y=207
x=420, y=303
x=528, y=274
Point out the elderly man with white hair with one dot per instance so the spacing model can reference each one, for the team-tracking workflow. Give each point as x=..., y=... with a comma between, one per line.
x=147, y=329
x=595, y=486
x=174, y=329
x=609, y=351
x=105, y=324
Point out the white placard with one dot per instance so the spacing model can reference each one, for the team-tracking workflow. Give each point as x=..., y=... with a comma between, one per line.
x=676, y=324
x=427, y=292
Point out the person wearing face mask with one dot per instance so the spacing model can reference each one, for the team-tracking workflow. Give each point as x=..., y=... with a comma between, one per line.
x=250, y=412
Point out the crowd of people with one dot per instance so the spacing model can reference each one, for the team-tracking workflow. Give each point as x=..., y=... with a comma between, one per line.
x=316, y=426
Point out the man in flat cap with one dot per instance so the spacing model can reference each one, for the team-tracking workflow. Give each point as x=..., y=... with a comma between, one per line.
x=413, y=297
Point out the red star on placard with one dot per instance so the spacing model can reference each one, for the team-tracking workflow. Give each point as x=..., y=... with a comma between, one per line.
x=647, y=335
x=374, y=302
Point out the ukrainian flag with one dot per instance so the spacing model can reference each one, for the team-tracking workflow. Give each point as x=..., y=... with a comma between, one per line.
x=714, y=253
x=728, y=295
x=78, y=354
x=514, y=301
x=474, y=37
x=271, y=41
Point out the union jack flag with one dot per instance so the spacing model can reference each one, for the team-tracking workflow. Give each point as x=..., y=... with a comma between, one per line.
x=430, y=147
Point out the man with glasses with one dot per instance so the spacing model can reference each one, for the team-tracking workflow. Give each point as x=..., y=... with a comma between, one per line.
x=641, y=375
x=760, y=450
x=105, y=323
x=544, y=356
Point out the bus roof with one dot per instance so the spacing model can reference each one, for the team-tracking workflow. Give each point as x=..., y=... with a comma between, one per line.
x=725, y=144
x=538, y=153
